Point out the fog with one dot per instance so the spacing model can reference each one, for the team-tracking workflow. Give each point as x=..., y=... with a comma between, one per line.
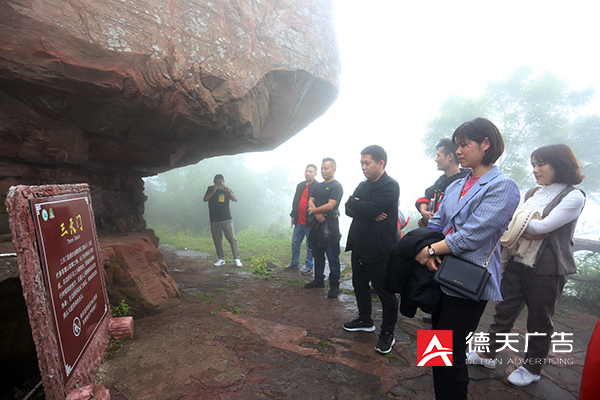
x=400, y=62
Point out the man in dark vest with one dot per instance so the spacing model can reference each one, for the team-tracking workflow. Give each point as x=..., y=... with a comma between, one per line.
x=446, y=161
x=373, y=234
x=299, y=214
x=218, y=197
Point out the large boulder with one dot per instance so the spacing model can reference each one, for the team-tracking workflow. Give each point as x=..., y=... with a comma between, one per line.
x=107, y=92
x=135, y=271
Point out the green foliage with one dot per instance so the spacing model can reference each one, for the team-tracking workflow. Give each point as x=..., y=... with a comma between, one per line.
x=112, y=351
x=259, y=266
x=274, y=239
x=588, y=265
x=175, y=198
x=121, y=310
x=413, y=223
x=531, y=110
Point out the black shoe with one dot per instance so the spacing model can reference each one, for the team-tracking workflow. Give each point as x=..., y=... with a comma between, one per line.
x=290, y=267
x=314, y=285
x=385, y=343
x=427, y=319
x=334, y=291
x=359, y=325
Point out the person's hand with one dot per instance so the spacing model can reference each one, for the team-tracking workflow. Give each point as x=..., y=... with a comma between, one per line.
x=226, y=188
x=320, y=217
x=434, y=263
x=293, y=222
x=428, y=261
x=534, y=237
x=426, y=215
x=422, y=256
x=380, y=217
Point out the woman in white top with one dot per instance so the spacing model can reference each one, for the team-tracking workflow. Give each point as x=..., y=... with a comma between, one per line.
x=556, y=170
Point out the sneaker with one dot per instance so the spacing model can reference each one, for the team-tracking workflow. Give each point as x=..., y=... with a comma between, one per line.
x=475, y=359
x=359, y=325
x=385, y=343
x=290, y=266
x=219, y=262
x=427, y=319
x=522, y=377
x=314, y=285
x=307, y=270
x=238, y=262
x=334, y=291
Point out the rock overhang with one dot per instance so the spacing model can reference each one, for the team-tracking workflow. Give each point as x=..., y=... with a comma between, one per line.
x=149, y=86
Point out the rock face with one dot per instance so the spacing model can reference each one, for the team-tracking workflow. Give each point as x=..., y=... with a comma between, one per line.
x=106, y=92
x=137, y=273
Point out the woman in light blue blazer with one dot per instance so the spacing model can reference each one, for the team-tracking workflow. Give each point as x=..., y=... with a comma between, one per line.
x=473, y=215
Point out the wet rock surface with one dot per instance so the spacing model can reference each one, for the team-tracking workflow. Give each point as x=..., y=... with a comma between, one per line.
x=237, y=337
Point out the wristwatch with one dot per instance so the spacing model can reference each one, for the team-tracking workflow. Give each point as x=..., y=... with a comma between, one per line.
x=430, y=250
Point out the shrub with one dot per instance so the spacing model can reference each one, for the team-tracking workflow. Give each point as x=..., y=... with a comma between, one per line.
x=121, y=310
x=588, y=292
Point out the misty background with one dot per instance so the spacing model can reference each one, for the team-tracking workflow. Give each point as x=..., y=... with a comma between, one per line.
x=411, y=73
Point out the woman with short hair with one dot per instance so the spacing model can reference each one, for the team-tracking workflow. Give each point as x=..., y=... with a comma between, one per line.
x=539, y=286
x=473, y=215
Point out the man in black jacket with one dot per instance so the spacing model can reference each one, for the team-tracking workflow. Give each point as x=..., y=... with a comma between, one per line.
x=373, y=208
x=446, y=161
x=299, y=214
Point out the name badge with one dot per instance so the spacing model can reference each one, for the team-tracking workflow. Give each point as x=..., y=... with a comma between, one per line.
x=221, y=198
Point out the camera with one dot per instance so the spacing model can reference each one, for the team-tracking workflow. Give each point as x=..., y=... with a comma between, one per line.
x=220, y=187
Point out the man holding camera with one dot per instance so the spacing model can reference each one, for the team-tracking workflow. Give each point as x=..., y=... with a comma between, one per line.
x=218, y=197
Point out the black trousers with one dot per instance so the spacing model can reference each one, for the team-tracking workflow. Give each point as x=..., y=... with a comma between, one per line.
x=362, y=274
x=462, y=317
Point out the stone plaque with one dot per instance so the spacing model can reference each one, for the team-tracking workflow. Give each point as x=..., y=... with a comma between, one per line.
x=71, y=268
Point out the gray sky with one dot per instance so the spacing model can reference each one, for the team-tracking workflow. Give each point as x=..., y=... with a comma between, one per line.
x=401, y=59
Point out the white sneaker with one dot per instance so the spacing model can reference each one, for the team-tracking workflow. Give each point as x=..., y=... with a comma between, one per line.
x=522, y=377
x=219, y=262
x=475, y=359
x=238, y=262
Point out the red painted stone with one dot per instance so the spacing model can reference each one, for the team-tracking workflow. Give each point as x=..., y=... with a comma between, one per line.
x=89, y=392
x=121, y=328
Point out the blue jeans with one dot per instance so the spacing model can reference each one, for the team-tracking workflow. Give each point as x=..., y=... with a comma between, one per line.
x=333, y=255
x=301, y=232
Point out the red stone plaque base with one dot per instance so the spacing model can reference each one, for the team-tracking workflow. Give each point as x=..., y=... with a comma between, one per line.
x=42, y=312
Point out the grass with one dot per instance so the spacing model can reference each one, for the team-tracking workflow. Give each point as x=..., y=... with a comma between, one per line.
x=253, y=242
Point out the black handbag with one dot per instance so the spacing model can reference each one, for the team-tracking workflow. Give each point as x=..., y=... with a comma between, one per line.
x=464, y=277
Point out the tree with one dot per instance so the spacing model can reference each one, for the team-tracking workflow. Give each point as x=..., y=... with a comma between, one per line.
x=531, y=111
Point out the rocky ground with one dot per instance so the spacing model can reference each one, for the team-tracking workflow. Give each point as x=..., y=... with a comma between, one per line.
x=237, y=337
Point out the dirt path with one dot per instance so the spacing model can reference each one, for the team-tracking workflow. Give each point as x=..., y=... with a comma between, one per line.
x=237, y=337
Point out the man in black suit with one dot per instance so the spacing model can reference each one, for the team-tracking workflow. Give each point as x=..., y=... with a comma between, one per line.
x=373, y=208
